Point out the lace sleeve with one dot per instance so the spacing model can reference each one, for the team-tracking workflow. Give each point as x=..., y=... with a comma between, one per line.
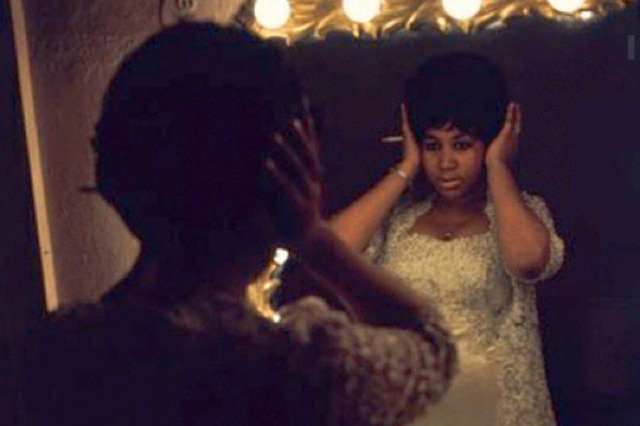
x=556, y=244
x=379, y=376
x=376, y=249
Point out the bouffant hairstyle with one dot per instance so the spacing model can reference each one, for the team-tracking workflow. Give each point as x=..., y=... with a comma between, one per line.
x=462, y=88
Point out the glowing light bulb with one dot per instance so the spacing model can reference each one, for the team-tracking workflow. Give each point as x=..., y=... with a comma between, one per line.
x=566, y=6
x=272, y=14
x=462, y=9
x=281, y=256
x=587, y=15
x=361, y=11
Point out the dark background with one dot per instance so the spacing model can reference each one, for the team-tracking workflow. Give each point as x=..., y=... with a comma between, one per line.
x=21, y=291
x=580, y=149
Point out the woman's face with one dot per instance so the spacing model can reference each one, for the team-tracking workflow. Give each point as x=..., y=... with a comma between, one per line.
x=453, y=161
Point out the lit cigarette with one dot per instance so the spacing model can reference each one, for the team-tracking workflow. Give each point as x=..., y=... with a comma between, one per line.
x=392, y=139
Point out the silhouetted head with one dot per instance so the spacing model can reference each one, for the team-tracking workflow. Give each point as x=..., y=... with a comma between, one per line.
x=463, y=89
x=186, y=124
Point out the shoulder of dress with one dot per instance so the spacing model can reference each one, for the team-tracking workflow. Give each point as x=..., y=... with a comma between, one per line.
x=527, y=196
x=531, y=199
x=409, y=211
x=531, y=196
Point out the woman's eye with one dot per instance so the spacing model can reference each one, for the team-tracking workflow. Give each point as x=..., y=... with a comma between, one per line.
x=430, y=145
x=463, y=144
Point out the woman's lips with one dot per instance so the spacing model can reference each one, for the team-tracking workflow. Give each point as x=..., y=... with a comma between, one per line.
x=450, y=183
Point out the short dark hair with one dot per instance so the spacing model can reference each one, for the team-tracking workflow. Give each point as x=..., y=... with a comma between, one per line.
x=464, y=88
x=187, y=122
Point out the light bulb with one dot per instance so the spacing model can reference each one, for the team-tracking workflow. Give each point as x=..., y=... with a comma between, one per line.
x=462, y=9
x=587, y=15
x=566, y=6
x=272, y=14
x=361, y=11
x=281, y=256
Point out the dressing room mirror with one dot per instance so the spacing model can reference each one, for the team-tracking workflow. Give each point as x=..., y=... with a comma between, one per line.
x=580, y=91
x=579, y=88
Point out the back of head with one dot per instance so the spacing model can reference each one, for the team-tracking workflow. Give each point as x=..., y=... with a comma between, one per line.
x=186, y=124
x=462, y=88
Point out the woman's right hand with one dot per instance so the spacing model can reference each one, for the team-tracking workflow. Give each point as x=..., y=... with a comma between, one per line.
x=294, y=171
x=410, y=148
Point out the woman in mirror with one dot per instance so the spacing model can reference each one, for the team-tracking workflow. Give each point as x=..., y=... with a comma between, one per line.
x=476, y=245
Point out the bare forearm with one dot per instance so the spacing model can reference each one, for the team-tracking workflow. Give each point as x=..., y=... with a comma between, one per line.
x=374, y=296
x=357, y=224
x=522, y=237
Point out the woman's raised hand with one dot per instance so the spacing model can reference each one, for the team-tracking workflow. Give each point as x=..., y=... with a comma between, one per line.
x=411, y=150
x=505, y=146
x=294, y=172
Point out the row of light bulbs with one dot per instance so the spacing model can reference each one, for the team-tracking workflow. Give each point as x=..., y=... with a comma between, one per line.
x=274, y=14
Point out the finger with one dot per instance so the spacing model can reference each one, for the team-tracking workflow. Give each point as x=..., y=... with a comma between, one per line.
x=287, y=155
x=513, y=120
x=289, y=162
x=517, y=120
x=406, y=127
x=407, y=131
x=313, y=134
x=507, y=127
x=308, y=120
x=282, y=181
x=306, y=146
x=510, y=118
x=314, y=147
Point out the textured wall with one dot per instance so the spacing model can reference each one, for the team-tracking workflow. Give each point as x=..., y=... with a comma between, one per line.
x=75, y=46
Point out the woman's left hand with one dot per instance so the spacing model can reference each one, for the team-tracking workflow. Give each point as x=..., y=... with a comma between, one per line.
x=295, y=171
x=505, y=146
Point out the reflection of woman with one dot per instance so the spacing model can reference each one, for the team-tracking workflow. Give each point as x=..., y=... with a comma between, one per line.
x=185, y=144
x=475, y=246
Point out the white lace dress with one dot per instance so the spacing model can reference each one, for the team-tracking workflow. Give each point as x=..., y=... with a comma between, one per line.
x=492, y=316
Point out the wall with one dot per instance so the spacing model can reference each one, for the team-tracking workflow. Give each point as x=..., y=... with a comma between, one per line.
x=580, y=149
x=74, y=48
